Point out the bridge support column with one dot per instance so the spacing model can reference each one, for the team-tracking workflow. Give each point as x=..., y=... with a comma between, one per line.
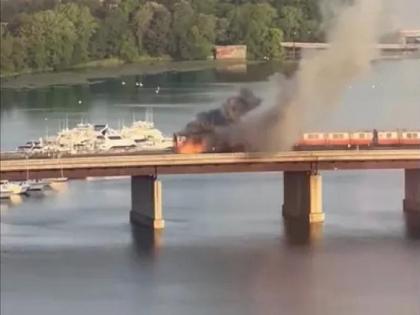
x=303, y=197
x=146, y=202
x=412, y=191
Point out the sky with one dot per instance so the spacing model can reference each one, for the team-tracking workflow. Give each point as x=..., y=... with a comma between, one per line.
x=405, y=14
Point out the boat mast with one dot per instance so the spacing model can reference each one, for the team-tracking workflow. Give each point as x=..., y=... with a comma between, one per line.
x=149, y=115
x=27, y=167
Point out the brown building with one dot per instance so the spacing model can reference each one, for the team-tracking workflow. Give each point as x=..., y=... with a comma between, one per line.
x=237, y=52
x=409, y=37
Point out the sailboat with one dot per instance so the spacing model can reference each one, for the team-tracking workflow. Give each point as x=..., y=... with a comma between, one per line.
x=34, y=184
x=60, y=179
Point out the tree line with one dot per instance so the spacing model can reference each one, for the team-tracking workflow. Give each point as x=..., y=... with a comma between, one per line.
x=57, y=34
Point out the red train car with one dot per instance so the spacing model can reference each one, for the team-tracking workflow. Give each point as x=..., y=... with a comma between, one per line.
x=374, y=139
x=410, y=138
x=388, y=138
x=361, y=138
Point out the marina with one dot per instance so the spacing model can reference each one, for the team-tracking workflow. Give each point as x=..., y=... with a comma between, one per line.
x=87, y=138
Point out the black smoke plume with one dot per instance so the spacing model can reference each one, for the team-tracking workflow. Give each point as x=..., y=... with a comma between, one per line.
x=209, y=127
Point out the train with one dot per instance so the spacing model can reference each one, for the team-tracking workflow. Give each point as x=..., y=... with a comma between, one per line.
x=385, y=139
x=373, y=139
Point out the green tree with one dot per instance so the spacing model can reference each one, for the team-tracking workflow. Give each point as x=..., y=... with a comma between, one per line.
x=291, y=19
x=270, y=46
x=193, y=35
x=222, y=31
x=85, y=26
x=205, y=6
x=182, y=22
x=19, y=57
x=6, y=52
x=128, y=6
x=254, y=25
x=32, y=33
x=110, y=36
x=50, y=38
x=140, y=22
x=128, y=50
x=58, y=33
x=156, y=36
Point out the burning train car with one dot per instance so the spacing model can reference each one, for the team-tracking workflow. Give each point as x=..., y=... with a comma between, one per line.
x=206, y=132
x=211, y=131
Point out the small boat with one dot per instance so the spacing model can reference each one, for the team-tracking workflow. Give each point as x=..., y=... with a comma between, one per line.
x=37, y=184
x=99, y=178
x=19, y=188
x=58, y=180
x=5, y=190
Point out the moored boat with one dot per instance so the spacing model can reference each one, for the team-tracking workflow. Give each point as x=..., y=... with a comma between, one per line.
x=37, y=184
x=58, y=180
x=5, y=190
x=19, y=188
x=87, y=138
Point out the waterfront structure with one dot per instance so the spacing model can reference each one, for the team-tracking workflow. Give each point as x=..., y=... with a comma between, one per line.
x=409, y=37
x=302, y=175
x=294, y=49
x=230, y=52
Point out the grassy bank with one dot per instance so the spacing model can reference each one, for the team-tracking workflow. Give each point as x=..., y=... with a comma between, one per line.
x=108, y=68
x=100, y=63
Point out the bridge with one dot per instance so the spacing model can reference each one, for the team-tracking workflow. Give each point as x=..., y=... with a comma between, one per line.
x=294, y=49
x=302, y=179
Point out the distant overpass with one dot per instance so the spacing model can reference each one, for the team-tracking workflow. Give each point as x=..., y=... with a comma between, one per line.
x=302, y=180
x=308, y=45
x=294, y=49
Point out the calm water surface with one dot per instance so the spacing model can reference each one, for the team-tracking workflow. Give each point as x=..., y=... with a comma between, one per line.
x=225, y=249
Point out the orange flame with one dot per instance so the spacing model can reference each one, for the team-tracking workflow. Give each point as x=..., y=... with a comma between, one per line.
x=189, y=147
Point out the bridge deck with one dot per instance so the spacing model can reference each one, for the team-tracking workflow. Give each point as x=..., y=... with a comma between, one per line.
x=79, y=167
x=308, y=45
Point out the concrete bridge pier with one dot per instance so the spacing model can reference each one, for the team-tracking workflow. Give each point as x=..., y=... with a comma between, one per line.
x=303, y=197
x=146, y=202
x=412, y=191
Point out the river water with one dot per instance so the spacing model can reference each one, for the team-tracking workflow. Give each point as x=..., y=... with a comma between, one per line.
x=225, y=249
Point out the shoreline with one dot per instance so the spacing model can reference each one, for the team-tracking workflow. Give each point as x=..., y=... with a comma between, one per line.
x=89, y=75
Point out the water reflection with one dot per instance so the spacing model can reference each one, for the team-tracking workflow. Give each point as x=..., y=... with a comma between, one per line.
x=146, y=241
x=303, y=233
x=16, y=200
x=412, y=224
x=59, y=186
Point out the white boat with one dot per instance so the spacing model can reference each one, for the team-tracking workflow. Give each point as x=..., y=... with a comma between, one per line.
x=37, y=184
x=58, y=180
x=100, y=178
x=146, y=136
x=31, y=146
x=115, y=141
x=92, y=138
x=19, y=188
x=5, y=190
